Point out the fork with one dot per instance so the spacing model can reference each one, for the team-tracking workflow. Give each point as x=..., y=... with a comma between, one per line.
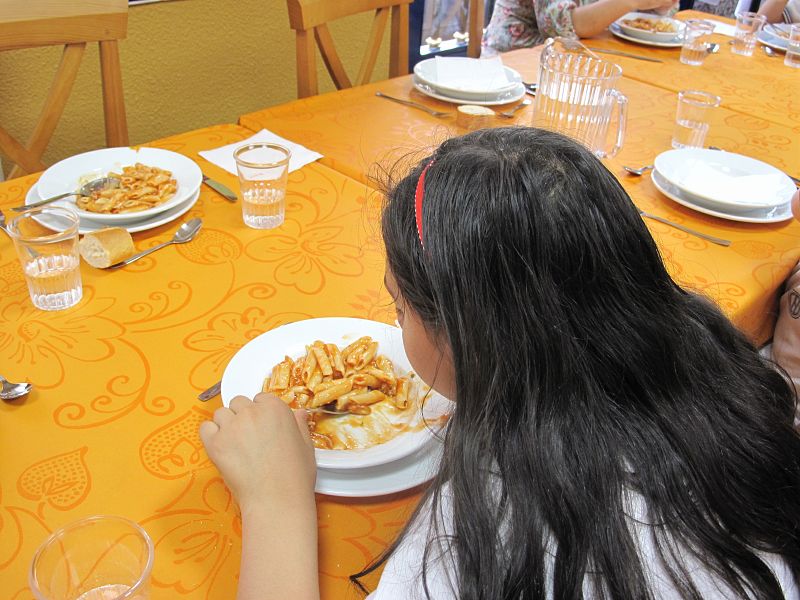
x=430, y=111
x=509, y=114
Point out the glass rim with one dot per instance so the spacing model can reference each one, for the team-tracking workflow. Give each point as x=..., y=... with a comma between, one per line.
x=615, y=71
x=748, y=14
x=59, y=533
x=242, y=149
x=57, y=236
x=714, y=99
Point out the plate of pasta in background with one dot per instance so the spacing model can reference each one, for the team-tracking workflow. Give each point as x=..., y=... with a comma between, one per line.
x=151, y=181
x=355, y=367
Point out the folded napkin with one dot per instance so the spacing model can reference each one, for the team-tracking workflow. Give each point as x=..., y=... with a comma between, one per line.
x=762, y=190
x=723, y=28
x=471, y=74
x=223, y=156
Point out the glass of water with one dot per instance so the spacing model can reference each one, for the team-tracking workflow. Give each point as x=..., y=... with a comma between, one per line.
x=692, y=118
x=793, y=49
x=47, y=245
x=748, y=24
x=263, y=170
x=97, y=558
x=694, y=49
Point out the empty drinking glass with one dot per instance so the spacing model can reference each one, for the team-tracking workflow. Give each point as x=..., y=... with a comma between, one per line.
x=692, y=118
x=793, y=49
x=263, y=172
x=47, y=245
x=96, y=558
x=694, y=50
x=748, y=24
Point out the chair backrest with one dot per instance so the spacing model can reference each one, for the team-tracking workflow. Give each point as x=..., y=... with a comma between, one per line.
x=310, y=18
x=73, y=24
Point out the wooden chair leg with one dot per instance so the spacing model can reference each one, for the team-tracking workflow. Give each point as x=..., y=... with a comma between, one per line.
x=54, y=105
x=306, y=64
x=398, y=58
x=113, y=95
x=476, y=8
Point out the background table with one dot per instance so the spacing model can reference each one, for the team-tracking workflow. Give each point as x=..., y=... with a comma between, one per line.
x=363, y=136
x=111, y=426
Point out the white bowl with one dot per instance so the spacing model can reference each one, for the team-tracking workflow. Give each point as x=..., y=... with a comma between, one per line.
x=426, y=72
x=650, y=36
x=69, y=174
x=245, y=374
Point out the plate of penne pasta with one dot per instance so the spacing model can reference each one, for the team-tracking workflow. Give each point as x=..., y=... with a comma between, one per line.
x=151, y=181
x=354, y=368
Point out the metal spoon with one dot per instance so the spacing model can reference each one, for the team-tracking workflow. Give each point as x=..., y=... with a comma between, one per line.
x=185, y=233
x=769, y=51
x=712, y=48
x=508, y=114
x=95, y=185
x=639, y=171
x=10, y=390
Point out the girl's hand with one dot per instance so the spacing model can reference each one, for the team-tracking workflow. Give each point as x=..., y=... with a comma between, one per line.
x=263, y=451
x=662, y=7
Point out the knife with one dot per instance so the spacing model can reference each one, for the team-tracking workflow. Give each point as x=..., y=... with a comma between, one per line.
x=220, y=188
x=210, y=392
x=628, y=54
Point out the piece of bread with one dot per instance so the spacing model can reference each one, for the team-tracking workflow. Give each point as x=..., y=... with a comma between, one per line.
x=471, y=117
x=105, y=247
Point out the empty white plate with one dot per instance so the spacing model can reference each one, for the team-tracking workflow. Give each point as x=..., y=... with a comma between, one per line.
x=769, y=215
x=727, y=180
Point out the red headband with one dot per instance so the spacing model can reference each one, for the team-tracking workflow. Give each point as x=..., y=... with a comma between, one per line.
x=418, y=200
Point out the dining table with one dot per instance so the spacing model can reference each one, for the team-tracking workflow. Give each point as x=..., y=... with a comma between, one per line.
x=111, y=425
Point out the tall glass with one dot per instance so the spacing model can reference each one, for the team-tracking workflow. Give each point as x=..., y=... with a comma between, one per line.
x=793, y=49
x=692, y=118
x=46, y=239
x=748, y=24
x=694, y=50
x=263, y=171
x=96, y=558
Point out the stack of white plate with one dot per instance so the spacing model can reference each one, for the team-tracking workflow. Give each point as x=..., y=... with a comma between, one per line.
x=667, y=39
x=776, y=36
x=505, y=88
x=69, y=174
x=403, y=462
x=725, y=185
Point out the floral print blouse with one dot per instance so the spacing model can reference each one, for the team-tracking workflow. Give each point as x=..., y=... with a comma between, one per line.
x=524, y=23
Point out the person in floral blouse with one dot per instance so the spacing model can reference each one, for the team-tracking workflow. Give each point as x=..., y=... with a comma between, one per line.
x=524, y=23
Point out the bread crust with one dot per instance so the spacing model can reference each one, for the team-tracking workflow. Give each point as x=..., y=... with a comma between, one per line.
x=105, y=247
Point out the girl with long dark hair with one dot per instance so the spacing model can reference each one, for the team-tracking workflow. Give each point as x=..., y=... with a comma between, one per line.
x=614, y=436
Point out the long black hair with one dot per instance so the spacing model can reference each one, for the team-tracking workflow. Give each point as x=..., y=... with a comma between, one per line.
x=584, y=372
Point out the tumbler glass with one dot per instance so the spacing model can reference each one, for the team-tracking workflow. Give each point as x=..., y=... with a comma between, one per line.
x=692, y=118
x=748, y=24
x=694, y=49
x=263, y=171
x=792, y=58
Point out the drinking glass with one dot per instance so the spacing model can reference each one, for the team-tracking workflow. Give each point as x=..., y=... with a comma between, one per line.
x=694, y=50
x=46, y=239
x=263, y=170
x=748, y=24
x=97, y=558
x=793, y=49
x=692, y=118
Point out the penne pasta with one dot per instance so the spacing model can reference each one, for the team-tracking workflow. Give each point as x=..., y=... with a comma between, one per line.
x=318, y=348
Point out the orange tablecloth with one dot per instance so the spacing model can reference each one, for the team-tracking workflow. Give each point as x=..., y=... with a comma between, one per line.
x=111, y=426
x=758, y=85
x=354, y=129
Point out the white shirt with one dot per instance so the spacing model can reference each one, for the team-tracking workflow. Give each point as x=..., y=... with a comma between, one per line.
x=402, y=579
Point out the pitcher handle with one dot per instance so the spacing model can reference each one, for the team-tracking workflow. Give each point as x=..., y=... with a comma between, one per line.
x=622, y=106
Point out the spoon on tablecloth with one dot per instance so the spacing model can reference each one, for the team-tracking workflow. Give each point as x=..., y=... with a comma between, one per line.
x=10, y=390
x=185, y=233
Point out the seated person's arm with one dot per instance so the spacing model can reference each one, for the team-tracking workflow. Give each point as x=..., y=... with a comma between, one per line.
x=591, y=19
x=773, y=10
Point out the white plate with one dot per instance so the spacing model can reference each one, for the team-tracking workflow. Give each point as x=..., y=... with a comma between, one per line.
x=730, y=181
x=68, y=174
x=772, y=215
x=616, y=30
x=773, y=41
x=649, y=36
x=506, y=98
x=426, y=72
x=247, y=370
x=87, y=225
x=402, y=474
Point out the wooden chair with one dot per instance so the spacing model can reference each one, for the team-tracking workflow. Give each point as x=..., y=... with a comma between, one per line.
x=476, y=17
x=30, y=24
x=309, y=19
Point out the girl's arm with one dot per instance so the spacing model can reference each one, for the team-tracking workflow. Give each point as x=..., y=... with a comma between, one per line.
x=264, y=453
x=773, y=10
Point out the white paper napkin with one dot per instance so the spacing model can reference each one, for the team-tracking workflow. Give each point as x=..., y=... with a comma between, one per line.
x=223, y=156
x=705, y=180
x=724, y=28
x=471, y=74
